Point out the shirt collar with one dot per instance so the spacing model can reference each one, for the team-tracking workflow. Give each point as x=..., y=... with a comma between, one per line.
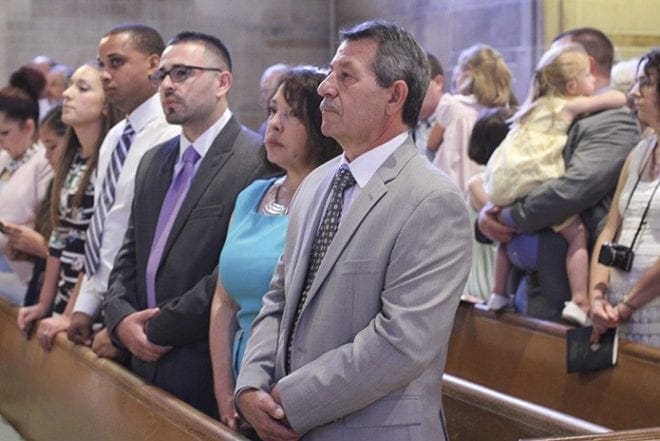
x=203, y=143
x=144, y=113
x=467, y=99
x=365, y=166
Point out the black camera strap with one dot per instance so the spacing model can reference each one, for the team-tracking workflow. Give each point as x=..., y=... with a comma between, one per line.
x=646, y=211
x=648, y=204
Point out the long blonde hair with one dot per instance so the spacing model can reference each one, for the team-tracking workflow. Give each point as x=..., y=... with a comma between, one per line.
x=488, y=77
x=559, y=65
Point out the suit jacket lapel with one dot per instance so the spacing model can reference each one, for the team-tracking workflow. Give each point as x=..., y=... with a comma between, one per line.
x=212, y=163
x=375, y=189
x=162, y=179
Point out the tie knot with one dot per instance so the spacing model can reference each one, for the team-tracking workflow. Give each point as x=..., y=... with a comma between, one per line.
x=128, y=129
x=343, y=179
x=190, y=155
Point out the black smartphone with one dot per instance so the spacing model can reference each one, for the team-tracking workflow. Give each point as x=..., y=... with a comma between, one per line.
x=2, y=228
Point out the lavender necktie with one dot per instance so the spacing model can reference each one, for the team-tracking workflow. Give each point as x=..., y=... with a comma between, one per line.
x=168, y=211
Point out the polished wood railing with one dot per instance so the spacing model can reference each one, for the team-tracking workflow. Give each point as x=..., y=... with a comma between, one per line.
x=652, y=434
x=476, y=412
x=70, y=394
x=526, y=358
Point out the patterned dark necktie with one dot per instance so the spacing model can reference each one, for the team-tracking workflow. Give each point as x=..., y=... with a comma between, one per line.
x=106, y=199
x=324, y=235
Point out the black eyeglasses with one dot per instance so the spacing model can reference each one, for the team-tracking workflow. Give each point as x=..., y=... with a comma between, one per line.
x=177, y=73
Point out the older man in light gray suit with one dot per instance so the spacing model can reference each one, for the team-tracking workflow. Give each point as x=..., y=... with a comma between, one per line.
x=352, y=337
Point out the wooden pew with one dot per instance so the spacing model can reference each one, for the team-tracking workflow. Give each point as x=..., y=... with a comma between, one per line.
x=526, y=358
x=652, y=434
x=476, y=413
x=70, y=394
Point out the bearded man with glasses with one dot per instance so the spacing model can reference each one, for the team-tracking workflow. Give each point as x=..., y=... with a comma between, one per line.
x=163, y=280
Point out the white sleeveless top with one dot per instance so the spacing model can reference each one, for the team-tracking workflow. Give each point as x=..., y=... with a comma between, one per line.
x=644, y=324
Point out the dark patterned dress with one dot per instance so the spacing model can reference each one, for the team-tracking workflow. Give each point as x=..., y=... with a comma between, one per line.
x=67, y=241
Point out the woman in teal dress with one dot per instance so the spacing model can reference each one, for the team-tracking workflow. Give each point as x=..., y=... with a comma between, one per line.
x=294, y=143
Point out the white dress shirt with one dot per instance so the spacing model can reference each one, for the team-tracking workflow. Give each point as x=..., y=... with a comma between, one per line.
x=203, y=143
x=365, y=166
x=151, y=129
x=423, y=127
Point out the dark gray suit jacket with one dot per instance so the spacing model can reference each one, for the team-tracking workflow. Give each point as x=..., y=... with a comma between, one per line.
x=596, y=149
x=187, y=274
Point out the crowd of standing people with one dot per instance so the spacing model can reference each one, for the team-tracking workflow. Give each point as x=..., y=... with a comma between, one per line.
x=302, y=282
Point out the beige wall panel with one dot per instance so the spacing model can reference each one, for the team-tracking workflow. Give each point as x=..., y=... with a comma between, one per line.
x=631, y=24
x=258, y=33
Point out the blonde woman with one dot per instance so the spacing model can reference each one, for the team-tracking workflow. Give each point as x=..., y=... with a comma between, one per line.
x=562, y=88
x=481, y=80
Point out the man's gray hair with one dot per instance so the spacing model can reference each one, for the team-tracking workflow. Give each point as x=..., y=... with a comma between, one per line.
x=399, y=57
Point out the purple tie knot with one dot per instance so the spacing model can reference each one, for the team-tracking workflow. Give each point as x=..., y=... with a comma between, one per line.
x=190, y=155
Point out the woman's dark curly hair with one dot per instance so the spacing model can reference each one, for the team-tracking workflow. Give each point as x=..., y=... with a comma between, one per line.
x=299, y=90
x=19, y=100
x=652, y=69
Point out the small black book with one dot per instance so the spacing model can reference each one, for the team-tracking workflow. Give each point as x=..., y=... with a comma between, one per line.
x=582, y=356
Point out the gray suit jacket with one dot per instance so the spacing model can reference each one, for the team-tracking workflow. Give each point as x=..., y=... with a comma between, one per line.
x=187, y=274
x=596, y=149
x=371, y=342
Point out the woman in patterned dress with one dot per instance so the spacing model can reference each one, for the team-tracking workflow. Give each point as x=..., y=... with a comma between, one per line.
x=88, y=114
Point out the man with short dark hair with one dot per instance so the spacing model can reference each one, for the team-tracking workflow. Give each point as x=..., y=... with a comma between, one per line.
x=127, y=55
x=595, y=151
x=429, y=130
x=352, y=337
x=165, y=274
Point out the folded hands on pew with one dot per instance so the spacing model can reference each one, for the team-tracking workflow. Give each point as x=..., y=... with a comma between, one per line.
x=49, y=328
x=28, y=315
x=266, y=415
x=131, y=331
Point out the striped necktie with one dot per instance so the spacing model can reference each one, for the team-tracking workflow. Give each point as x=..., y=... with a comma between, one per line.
x=105, y=201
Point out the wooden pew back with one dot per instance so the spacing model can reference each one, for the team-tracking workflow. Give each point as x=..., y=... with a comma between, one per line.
x=526, y=358
x=70, y=394
x=652, y=434
x=476, y=413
